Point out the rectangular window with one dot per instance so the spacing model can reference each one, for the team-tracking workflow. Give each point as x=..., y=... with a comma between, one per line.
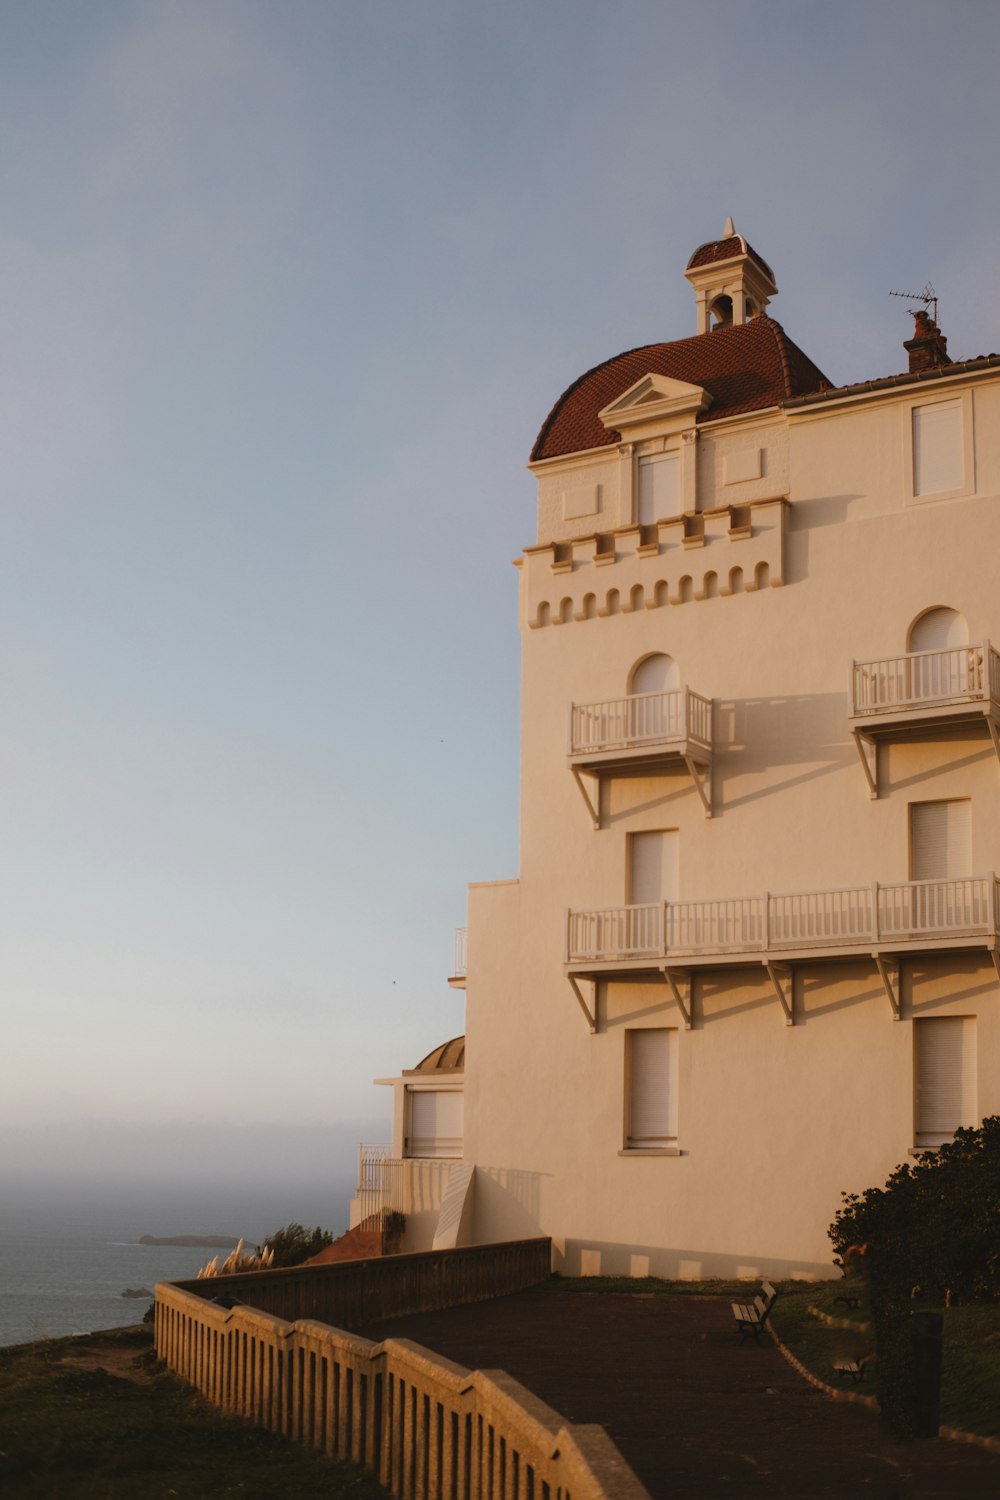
x=651, y=1089
x=659, y=488
x=945, y=1069
x=436, y=1122
x=938, y=448
x=940, y=840
x=653, y=867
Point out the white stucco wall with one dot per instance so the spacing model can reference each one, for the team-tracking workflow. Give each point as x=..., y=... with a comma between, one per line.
x=774, y=1120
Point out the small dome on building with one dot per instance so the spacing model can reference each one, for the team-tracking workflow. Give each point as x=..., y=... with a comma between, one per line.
x=726, y=249
x=448, y=1058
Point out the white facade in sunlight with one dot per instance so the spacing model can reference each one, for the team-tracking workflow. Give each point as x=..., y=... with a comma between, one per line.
x=750, y=961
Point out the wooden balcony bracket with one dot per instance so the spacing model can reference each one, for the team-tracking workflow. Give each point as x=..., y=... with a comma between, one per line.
x=593, y=803
x=868, y=755
x=701, y=775
x=781, y=976
x=888, y=969
x=680, y=981
x=995, y=955
x=994, y=733
x=590, y=1015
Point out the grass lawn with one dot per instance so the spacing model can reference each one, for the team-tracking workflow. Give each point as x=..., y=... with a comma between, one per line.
x=95, y=1419
x=970, y=1382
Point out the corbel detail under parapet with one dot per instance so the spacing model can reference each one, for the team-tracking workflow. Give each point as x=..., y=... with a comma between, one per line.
x=615, y=572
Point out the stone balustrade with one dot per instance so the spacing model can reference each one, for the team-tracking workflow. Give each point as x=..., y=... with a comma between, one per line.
x=429, y=1429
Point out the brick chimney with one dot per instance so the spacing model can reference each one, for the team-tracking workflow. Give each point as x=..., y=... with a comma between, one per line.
x=928, y=346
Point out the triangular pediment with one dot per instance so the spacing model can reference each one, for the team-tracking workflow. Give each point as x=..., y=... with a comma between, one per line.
x=654, y=398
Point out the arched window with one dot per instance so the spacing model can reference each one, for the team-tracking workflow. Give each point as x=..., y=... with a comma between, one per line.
x=937, y=629
x=722, y=311
x=655, y=674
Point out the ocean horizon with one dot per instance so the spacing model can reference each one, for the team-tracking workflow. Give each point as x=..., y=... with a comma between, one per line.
x=68, y=1250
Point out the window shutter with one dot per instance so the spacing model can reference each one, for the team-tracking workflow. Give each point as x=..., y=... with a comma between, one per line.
x=937, y=448
x=436, y=1122
x=659, y=488
x=652, y=1115
x=946, y=1062
x=654, y=865
x=940, y=840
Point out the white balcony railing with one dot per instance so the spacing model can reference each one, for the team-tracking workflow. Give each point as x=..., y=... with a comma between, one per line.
x=403, y=1184
x=461, y=953
x=640, y=721
x=925, y=679
x=909, y=911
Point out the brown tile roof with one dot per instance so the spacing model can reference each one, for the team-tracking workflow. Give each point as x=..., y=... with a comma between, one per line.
x=909, y=377
x=744, y=368
x=735, y=244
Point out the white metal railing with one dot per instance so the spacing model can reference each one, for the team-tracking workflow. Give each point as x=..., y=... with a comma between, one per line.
x=403, y=1184
x=379, y=1179
x=461, y=952
x=905, y=911
x=639, y=720
x=925, y=679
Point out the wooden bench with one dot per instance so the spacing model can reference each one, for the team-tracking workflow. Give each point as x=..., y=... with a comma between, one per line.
x=751, y=1316
x=854, y=1369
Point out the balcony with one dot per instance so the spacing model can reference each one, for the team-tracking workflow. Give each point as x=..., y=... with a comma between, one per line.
x=880, y=921
x=642, y=730
x=921, y=692
x=388, y=1183
x=457, y=976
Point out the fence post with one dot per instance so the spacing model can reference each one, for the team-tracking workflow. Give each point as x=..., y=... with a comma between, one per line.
x=875, y=914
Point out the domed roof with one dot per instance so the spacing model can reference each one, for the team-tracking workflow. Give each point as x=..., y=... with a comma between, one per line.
x=743, y=368
x=726, y=249
x=448, y=1058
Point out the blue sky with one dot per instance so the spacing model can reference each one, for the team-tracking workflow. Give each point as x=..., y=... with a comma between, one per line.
x=287, y=291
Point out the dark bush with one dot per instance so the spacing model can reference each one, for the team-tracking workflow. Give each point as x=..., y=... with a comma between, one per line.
x=293, y=1244
x=933, y=1231
x=936, y=1223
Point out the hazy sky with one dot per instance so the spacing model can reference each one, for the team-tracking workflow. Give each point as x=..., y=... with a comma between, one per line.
x=287, y=290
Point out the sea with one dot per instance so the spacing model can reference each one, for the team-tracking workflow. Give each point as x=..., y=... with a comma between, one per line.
x=69, y=1251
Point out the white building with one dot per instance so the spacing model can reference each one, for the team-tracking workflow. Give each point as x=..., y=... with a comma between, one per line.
x=751, y=957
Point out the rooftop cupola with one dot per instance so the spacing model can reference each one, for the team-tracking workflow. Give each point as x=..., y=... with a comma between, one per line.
x=732, y=282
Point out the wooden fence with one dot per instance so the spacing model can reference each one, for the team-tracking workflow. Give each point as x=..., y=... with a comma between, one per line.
x=430, y=1429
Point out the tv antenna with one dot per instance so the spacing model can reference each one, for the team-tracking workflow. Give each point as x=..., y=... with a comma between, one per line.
x=928, y=297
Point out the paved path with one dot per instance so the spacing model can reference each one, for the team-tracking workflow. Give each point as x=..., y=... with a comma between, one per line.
x=696, y=1415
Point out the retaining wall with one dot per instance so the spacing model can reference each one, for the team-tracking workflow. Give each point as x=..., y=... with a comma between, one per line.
x=352, y=1293
x=430, y=1429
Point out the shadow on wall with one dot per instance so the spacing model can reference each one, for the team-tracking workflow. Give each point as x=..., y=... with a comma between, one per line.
x=751, y=736
x=606, y=1258
x=777, y=729
x=507, y=1204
